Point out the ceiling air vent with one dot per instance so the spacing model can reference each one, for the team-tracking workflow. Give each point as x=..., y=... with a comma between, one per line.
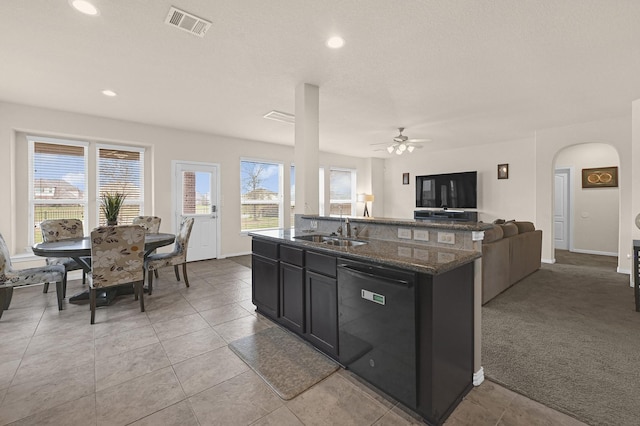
x=187, y=22
x=280, y=116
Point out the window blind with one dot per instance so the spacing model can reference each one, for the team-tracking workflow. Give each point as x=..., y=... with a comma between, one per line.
x=121, y=170
x=57, y=182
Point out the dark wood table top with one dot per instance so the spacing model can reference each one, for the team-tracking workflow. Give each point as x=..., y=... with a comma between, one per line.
x=81, y=247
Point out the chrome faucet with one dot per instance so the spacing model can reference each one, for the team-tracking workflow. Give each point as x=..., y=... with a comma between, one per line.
x=348, y=226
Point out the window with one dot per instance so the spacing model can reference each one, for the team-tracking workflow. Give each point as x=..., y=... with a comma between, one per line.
x=342, y=192
x=57, y=182
x=59, y=175
x=120, y=169
x=260, y=195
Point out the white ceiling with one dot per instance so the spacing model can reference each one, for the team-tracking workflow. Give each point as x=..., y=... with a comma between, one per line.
x=457, y=71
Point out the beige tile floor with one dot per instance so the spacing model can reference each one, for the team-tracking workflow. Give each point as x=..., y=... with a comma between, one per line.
x=171, y=365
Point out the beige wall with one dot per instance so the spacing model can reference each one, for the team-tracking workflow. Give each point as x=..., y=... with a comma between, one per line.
x=512, y=198
x=595, y=210
x=163, y=145
x=528, y=193
x=615, y=132
x=635, y=159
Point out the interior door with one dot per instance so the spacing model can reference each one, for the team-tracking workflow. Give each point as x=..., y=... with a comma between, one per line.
x=197, y=196
x=561, y=209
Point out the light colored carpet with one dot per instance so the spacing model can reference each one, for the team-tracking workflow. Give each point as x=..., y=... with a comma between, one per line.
x=284, y=361
x=568, y=336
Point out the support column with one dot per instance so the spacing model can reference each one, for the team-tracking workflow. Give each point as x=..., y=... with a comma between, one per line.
x=307, y=148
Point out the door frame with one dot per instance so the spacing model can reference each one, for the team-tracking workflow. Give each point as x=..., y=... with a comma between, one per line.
x=569, y=202
x=174, y=196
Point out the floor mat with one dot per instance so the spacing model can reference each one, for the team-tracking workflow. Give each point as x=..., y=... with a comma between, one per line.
x=285, y=362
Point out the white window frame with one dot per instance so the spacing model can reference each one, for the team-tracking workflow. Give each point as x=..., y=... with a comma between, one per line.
x=280, y=165
x=32, y=201
x=353, y=195
x=138, y=149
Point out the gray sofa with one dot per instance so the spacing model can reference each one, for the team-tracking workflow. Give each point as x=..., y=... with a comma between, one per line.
x=510, y=252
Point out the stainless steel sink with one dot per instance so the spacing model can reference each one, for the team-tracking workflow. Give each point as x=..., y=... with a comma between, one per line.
x=332, y=241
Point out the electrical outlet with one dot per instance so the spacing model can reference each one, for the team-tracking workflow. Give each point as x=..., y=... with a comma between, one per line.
x=421, y=235
x=404, y=233
x=404, y=251
x=314, y=224
x=446, y=237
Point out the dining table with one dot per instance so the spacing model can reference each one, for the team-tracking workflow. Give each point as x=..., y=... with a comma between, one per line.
x=79, y=249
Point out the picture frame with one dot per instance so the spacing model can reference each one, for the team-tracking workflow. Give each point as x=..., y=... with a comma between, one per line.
x=600, y=177
x=405, y=178
x=503, y=171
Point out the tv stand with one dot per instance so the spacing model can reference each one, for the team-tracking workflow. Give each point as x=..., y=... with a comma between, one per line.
x=446, y=215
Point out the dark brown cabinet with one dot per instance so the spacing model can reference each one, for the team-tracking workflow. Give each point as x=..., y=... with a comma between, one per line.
x=264, y=277
x=292, y=297
x=322, y=302
x=322, y=312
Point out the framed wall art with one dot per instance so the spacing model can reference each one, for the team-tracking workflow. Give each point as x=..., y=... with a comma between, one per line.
x=601, y=177
x=503, y=171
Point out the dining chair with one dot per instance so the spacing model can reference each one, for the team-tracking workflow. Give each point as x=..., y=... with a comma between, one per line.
x=151, y=224
x=62, y=229
x=177, y=257
x=10, y=277
x=117, y=259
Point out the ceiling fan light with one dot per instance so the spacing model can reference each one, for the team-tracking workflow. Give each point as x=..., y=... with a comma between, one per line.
x=402, y=147
x=410, y=148
x=398, y=151
x=390, y=149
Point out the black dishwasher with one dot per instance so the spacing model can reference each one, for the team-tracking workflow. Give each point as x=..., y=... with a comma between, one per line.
x=377, y=326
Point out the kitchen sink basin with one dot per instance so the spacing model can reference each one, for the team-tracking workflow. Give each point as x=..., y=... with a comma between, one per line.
x=331, y=241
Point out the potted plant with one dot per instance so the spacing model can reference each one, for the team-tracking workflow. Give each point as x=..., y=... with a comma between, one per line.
x=110, y=206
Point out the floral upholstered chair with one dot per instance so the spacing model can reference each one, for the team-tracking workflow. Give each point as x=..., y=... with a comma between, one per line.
x=62, y=229
x=151, y=224
x=177, y=257
x=117, y=258
x=10, y=277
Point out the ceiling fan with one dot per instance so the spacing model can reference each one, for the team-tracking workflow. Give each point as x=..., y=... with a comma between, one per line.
x=402, y=143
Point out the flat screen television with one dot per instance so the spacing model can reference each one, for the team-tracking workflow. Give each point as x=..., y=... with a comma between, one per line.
x=447, y=190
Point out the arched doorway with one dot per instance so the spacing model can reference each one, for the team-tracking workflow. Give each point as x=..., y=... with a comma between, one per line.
x=586, y=219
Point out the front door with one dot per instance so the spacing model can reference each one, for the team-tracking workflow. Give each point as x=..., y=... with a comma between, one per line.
x=197, y=196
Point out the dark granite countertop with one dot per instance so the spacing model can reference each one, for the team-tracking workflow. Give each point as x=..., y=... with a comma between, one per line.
x=416, y=257
x=441, y=224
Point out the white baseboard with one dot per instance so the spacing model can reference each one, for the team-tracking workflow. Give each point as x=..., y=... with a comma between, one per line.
x=623, y=271
x=478, y=377
x=548, y=261
x=244, y=253
x=600, y=253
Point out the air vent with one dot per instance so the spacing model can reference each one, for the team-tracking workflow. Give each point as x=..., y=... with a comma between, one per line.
x=187, y=22
x=280, y=116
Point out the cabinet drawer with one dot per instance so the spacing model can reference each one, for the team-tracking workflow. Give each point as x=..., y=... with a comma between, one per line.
x=292, y=255
x=321, y=263
x=265, y=248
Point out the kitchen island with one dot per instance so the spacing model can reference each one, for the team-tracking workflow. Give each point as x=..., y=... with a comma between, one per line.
x=399, y=314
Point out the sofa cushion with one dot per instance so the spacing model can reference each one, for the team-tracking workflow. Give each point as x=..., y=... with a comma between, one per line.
x=509, y=229
x=498, y=221
x=493, y=234
x=525, y=227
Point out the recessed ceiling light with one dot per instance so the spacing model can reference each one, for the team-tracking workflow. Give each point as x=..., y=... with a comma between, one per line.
x=110, y=93
x=335, y=42
x=85, y=7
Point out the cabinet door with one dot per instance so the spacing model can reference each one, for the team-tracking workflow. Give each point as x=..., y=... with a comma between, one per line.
x=264, y=282
x=292, y=297
x=322, y=312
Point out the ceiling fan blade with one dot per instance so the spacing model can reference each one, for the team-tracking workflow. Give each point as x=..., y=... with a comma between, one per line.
x=419, y=140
